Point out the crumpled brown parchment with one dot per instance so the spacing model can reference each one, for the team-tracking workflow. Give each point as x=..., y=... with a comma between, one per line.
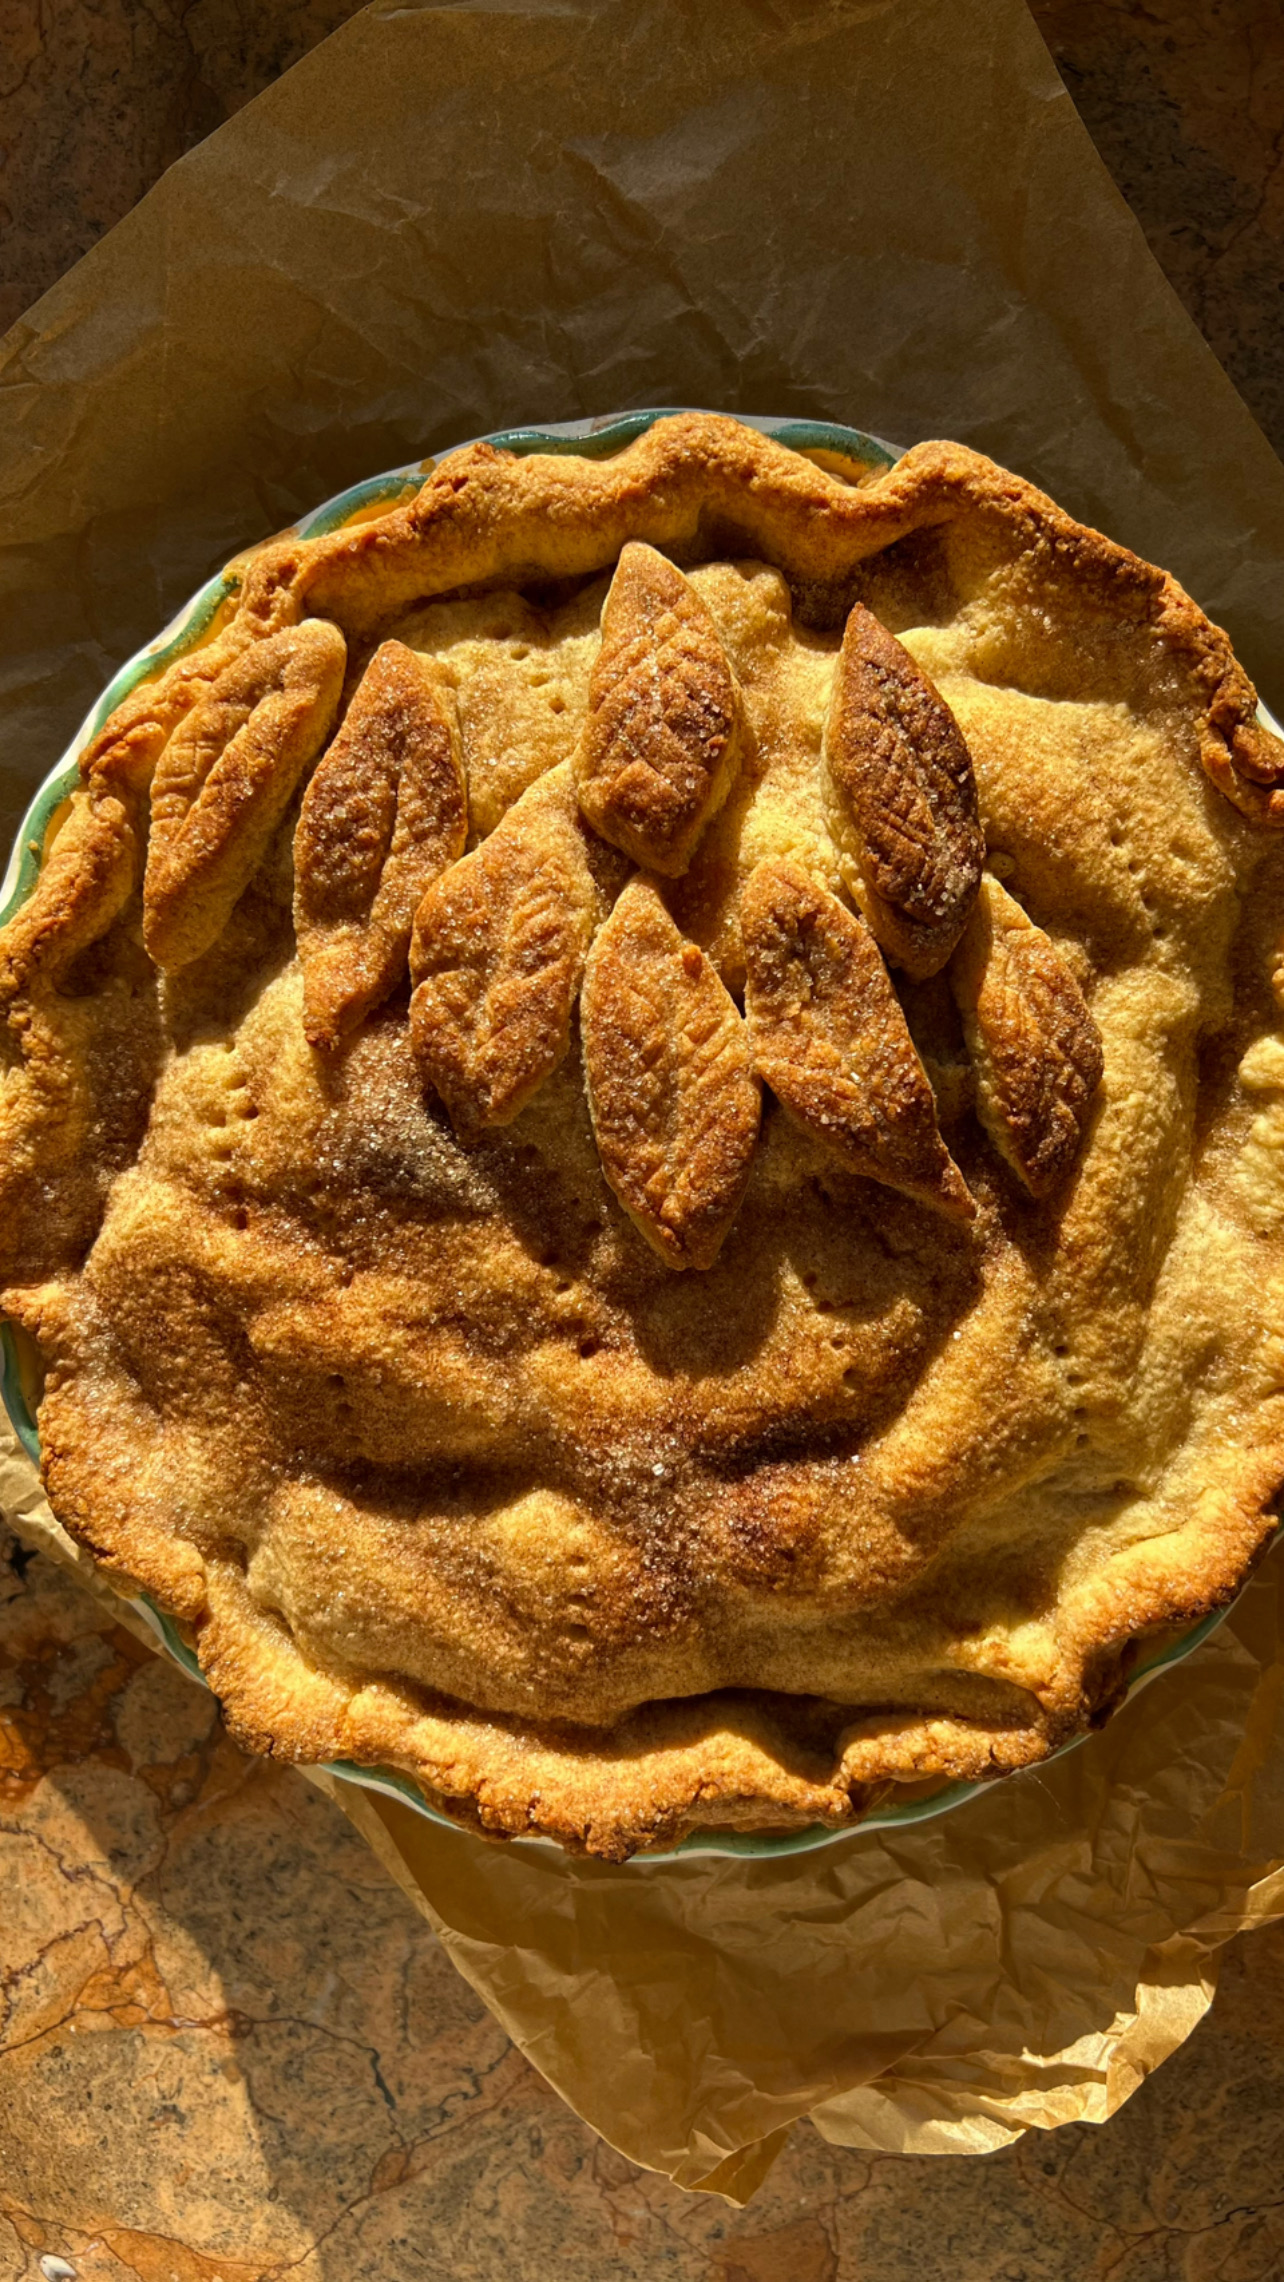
x=457, y=217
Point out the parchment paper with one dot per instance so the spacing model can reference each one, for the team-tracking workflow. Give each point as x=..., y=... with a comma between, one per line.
x=452, y=218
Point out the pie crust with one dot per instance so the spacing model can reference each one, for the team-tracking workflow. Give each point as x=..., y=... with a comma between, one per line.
x=643, y=1134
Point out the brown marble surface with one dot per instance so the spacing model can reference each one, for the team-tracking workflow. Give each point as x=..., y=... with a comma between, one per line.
x=228, y=2047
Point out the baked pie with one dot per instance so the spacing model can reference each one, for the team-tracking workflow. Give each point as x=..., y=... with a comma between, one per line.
x=644, y=1134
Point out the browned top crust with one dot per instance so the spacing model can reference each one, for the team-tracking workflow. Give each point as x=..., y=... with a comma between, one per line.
x=1034, y=1045
x=902, y=799
x=661, y=738
x=831, y=1041
x=498, y=956
x=620, y=1414
x=385, y=810
x=224, y=781
x=669, y=1076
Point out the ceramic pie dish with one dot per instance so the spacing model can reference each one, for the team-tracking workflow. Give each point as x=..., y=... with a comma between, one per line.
x=772, y=1314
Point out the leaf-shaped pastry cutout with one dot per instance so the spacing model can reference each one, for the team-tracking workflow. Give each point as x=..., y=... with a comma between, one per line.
x=831, y=1041
x=385, y=811
x=226, y=778
x=661, y=743
x=1035, y=1046
x=84, y=884
x=902, y=799
x=498, y=953
x=92, y=861
x=671, y=1089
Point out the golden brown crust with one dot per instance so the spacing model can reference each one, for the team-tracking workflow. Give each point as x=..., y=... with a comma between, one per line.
x=497, y=958
x=902, y=798
x=484, y=516
x=224, y=781
x=661, y=740
x=671, y=1089
x=386, y=809
x=91, y=864
x=1035, y=1047
x=1245, y=761
x=445, y=1467
x=84, y=883
x=830, y=1039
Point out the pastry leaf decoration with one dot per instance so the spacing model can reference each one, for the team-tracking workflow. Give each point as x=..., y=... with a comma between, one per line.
x=504, y=941
x=902, y=799
x=1034, y=1045
x=497, y=955
x=830, y=1039
x=385, y=811
x=661, y=743
x=671, y=1088
x=225, y=779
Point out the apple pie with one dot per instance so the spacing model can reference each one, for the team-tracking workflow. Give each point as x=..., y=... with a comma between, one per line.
x=642, y=1134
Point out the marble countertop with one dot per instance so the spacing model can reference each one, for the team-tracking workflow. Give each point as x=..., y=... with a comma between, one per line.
x=229, y=2049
